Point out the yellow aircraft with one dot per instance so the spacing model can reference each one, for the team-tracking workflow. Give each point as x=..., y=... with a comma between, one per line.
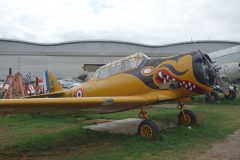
x=132, y=82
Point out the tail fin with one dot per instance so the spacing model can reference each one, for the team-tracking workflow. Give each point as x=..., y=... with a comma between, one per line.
x=51, y=83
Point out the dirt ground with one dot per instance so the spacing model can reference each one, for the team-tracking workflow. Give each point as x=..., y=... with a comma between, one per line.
x=228, y=149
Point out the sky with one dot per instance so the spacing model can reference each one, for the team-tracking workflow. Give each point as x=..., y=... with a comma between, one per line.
x=154, y=22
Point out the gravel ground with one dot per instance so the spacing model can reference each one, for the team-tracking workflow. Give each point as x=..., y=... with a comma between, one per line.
x=228, y=149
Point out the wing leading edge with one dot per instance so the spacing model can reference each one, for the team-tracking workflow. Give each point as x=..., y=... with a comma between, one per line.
x=85, y=104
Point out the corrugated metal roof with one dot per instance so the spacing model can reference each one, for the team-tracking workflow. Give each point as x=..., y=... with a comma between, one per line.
x=105, y=47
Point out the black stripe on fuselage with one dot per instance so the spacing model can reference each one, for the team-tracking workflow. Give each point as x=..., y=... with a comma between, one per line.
x=173, y=70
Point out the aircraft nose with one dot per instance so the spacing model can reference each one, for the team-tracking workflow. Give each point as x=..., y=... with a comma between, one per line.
x=202, y=69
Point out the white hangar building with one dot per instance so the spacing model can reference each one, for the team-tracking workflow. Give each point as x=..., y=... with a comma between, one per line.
x=67, y=59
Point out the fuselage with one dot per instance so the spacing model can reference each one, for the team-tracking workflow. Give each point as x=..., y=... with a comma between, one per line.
x=124, y=85
x=182, y=75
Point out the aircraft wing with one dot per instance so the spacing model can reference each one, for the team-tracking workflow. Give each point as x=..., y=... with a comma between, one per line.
x=83, y=104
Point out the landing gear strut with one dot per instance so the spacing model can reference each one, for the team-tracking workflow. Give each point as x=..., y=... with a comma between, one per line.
x=186, y=117
x=147, y=128
x=143, y=113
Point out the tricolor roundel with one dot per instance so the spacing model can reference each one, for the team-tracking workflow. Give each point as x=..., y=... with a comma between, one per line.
x=79, y=93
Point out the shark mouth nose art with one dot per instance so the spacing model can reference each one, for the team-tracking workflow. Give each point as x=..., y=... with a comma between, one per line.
x=163, y=77
x=188, y=85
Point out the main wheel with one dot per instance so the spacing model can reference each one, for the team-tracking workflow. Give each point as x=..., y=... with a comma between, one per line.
x=148, y=129
x=212, y=97
x=188, y=119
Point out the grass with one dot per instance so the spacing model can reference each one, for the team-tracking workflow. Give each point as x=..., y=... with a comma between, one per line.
x=62, y=137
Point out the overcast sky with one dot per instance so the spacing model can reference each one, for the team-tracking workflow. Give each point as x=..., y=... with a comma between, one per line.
x=144, y=21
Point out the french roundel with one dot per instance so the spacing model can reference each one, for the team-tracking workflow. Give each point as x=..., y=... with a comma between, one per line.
x=79, y=93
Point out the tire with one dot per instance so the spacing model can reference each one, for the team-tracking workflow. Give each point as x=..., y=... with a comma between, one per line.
x=190, y=118
x=232, y=95
x=212, y=97
x=148, y=129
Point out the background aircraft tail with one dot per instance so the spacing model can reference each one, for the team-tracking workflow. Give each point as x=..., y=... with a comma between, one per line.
x=51, y=83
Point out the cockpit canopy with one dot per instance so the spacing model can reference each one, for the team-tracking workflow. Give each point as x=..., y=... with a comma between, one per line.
x=121, y=65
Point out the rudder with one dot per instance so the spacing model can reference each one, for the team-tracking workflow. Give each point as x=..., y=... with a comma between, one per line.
x=51, y=84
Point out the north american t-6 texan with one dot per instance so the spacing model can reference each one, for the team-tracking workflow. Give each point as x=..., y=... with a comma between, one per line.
x=132, y=82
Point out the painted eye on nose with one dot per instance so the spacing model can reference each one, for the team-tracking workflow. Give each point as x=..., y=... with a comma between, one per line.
x=147, y=71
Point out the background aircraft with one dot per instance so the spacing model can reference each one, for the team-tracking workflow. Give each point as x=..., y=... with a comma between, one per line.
x=227, y=61
x=132, y=82
x=230, y=73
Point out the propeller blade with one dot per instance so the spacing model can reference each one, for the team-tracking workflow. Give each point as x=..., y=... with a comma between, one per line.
x=222, y=85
